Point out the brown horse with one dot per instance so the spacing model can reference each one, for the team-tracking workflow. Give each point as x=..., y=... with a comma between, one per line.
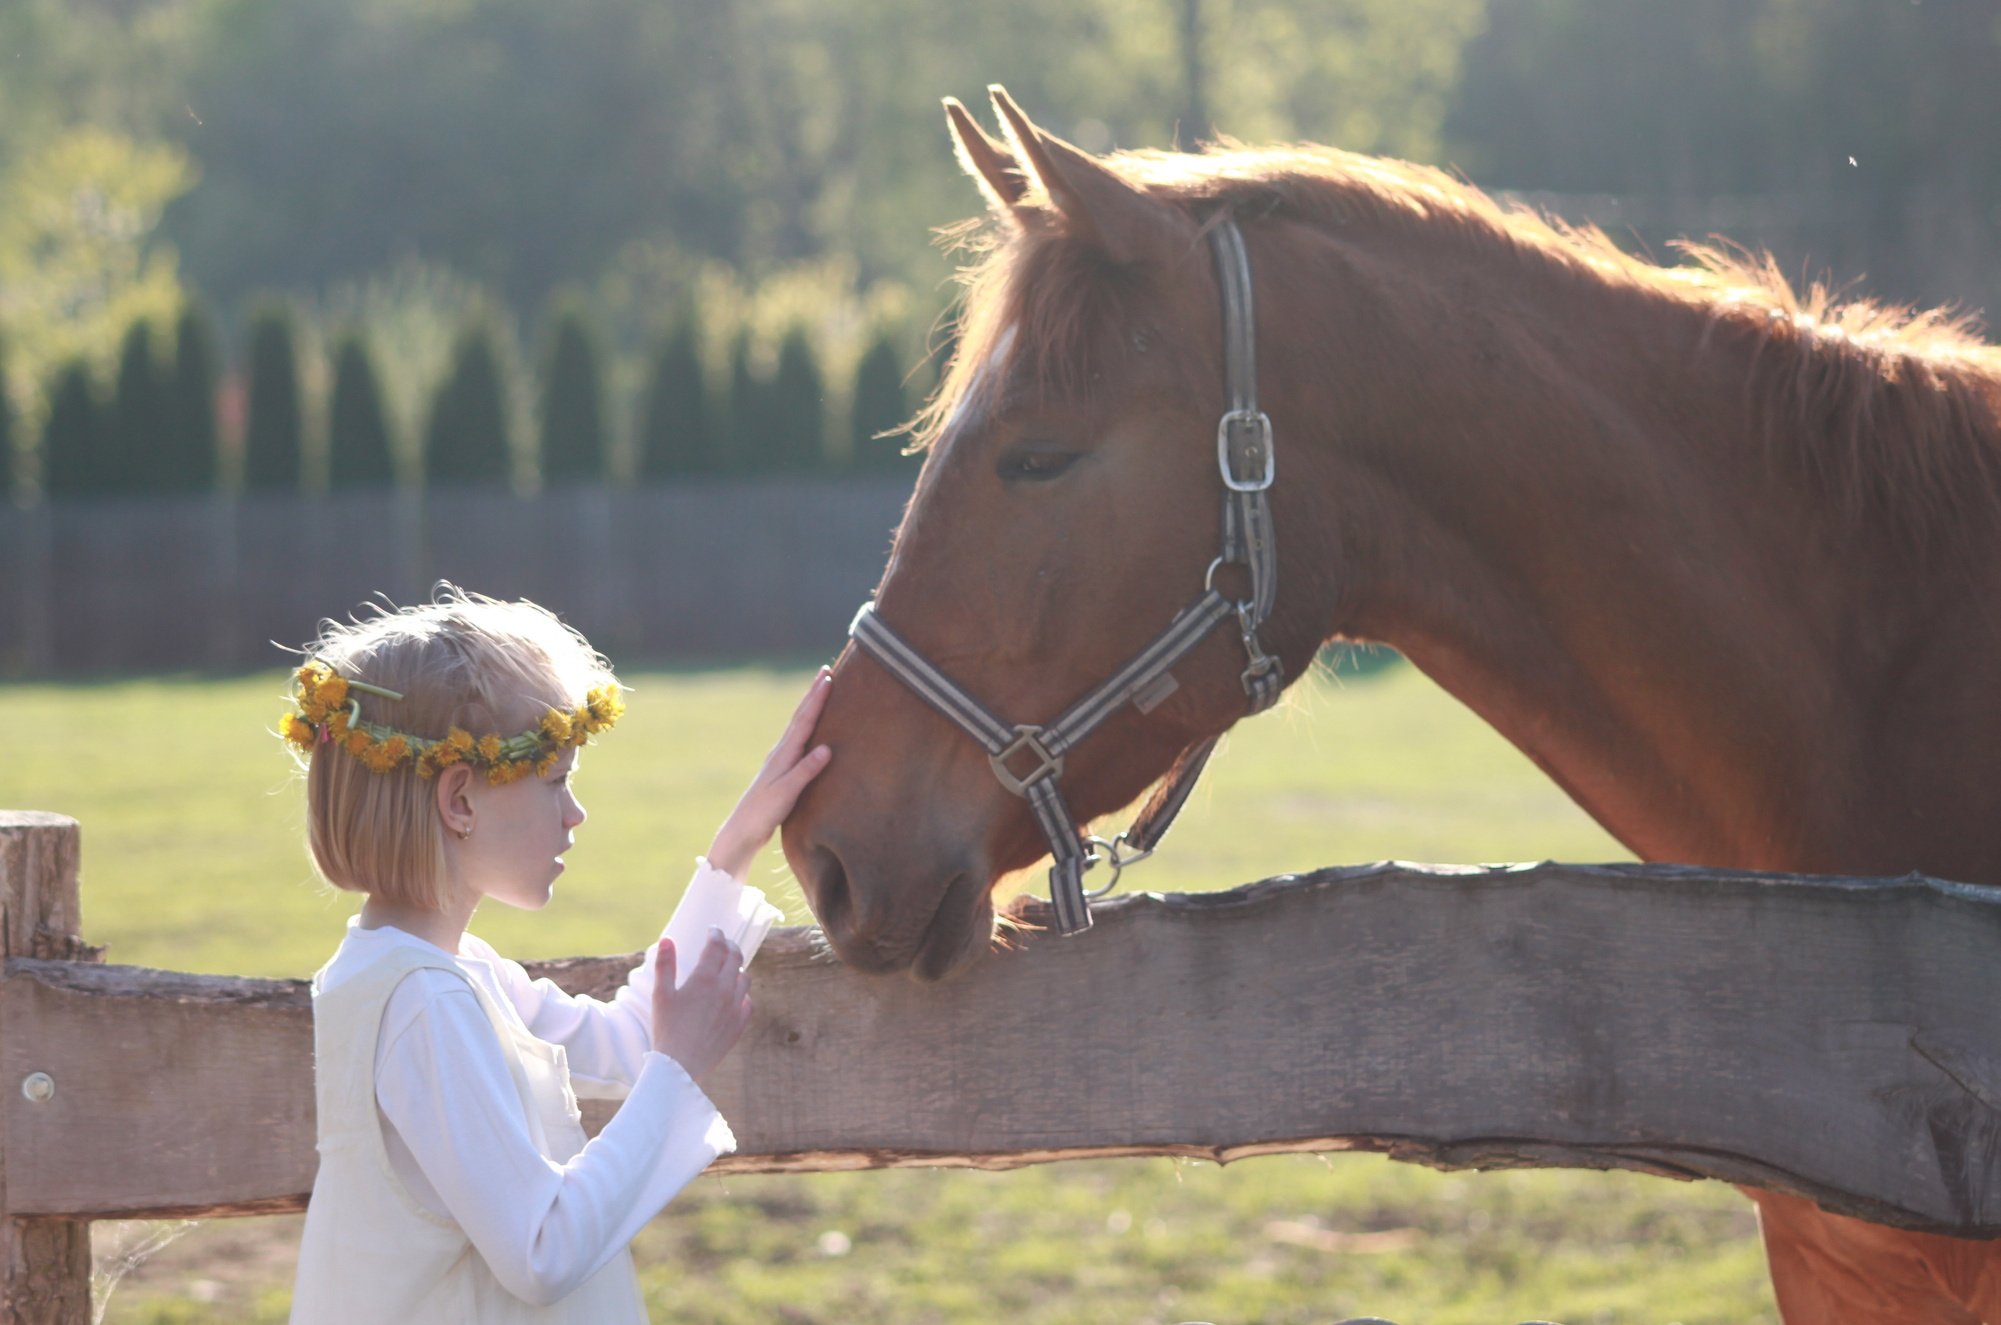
x=1721, y=559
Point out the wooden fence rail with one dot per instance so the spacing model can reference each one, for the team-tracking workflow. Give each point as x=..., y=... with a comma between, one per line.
x=1830, y=1037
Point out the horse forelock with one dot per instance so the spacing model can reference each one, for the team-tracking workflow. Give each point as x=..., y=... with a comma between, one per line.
x=1897, y=410
x=1041, y=318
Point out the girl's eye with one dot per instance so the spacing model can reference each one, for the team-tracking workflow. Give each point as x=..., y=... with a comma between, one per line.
x=1032, y=464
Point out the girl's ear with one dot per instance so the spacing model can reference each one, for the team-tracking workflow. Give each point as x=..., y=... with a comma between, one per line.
x=454, y=800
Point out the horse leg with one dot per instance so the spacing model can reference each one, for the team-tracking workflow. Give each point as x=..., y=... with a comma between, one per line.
x=1829, y=1269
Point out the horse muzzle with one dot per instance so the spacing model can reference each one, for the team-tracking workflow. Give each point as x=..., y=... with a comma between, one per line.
x=930, y=930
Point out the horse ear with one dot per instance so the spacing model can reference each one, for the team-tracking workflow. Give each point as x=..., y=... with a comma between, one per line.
x=989, y=162
x=1099, y=206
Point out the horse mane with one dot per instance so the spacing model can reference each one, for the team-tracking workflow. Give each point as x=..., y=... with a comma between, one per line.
x=1895, y=410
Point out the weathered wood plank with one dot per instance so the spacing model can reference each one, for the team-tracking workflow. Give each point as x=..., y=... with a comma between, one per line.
x=44, y=1263
x=1830, y=1037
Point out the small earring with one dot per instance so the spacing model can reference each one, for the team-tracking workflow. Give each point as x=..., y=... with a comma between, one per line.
x=464, y=833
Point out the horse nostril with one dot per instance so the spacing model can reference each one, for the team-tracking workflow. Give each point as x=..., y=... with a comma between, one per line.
x=827, y=889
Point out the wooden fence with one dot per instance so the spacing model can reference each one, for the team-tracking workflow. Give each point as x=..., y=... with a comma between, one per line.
x=1830, y=1037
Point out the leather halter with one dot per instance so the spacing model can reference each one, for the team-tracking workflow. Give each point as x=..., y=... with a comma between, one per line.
x=1027, y=758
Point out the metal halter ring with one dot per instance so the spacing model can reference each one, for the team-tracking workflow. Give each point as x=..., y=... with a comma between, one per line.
x=1108, y=852
x=1209, y=576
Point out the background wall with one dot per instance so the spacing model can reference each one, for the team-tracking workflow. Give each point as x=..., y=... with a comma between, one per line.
x=705, y=572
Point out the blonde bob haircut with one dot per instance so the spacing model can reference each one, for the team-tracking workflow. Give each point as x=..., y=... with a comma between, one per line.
x=460, y=660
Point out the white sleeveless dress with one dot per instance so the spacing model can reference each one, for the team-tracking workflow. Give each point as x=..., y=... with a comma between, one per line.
x=372, y=1254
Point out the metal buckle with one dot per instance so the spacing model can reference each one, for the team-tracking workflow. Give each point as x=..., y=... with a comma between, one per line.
x=1029, y=738
x=1108, y=853
x=1255, y=449
x=1261, y=663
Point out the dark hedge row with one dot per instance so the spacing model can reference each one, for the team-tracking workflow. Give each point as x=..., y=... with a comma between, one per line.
x=156, y=427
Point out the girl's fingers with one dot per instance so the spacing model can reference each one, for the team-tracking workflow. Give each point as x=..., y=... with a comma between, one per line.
x=800, y=727
x=780, y=784
x=801, y=773
x=715, y=957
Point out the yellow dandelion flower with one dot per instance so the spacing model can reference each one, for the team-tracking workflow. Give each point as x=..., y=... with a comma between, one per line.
x=395, y=750
x=604, y=704
x=545, y=763
x=459, y=739
x=556, y=725
x=321, y=691
x=358, y=743
x=489, y=747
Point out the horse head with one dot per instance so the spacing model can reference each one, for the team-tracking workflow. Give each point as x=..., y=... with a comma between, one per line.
x=1067, y=510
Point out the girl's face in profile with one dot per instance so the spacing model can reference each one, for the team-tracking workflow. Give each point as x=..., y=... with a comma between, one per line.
x=520, y=832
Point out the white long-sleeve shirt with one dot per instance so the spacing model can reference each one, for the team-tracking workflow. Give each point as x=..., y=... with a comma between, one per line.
x=456, y=1137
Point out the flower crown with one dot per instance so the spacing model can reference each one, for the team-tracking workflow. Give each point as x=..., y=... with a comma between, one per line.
x=329, y=715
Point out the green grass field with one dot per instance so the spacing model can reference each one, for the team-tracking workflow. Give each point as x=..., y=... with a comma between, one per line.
x=193, y=860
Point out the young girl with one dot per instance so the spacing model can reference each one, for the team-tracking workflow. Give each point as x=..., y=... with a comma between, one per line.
x=455, y=1183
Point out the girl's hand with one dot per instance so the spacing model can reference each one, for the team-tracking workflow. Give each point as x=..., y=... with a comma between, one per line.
x=775, y=789
x=699, y=1023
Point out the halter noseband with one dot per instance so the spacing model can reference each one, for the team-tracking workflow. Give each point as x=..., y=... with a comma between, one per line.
x=1028, y=759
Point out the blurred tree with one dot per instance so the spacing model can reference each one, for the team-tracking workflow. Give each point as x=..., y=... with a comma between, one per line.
x=468, y=439
x=10, y=460
x=676, y=432
x=360, y=452
x=747, y=412
x=1189, y=30
x=135, y=436
x=573, y=422
x=109, y=65
x=1846, y=134
x=880, y=409
x=1613, y=95
x=524, y=146
x=74, y=463
x=519, y=142
x=795, y=436
x=78, y=264
x=274, y=438
x=1366, y=75
x=526, y=143
x=191, y=444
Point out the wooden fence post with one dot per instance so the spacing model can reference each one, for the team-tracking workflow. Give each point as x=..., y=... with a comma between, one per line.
x=44, y=1263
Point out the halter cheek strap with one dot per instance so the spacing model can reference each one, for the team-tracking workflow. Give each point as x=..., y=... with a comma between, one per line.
x=1027, y=758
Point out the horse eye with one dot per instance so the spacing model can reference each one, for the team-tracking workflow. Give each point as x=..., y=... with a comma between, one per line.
x=1034, y=465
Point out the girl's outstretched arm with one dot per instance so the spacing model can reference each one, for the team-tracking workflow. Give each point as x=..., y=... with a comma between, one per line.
x=792, y=763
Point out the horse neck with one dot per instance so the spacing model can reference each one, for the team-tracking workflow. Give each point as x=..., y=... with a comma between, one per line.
x=1552, y=494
